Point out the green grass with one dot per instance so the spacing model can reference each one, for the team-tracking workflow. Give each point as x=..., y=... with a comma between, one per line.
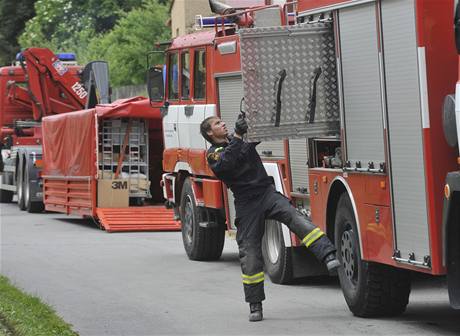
x=24, y=315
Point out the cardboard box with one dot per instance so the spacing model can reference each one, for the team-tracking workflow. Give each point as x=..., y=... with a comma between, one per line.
x=113, y=193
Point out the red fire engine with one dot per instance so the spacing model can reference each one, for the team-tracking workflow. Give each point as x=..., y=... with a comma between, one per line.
x=349, y=103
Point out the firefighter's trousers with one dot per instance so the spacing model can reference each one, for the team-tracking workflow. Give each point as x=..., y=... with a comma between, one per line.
x=250, y=221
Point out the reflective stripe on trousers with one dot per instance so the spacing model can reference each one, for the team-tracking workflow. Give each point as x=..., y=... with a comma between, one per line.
x=312, y=237
x=253, y=279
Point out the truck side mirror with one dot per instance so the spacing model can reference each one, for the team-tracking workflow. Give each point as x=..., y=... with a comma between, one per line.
x=95, y=77
x=155, y=84
x=457, y=27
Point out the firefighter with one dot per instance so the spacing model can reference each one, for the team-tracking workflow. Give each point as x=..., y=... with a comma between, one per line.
x=237, y=163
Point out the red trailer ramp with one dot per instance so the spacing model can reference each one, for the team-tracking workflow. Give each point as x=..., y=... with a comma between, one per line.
x=98, y=163
x=147, y=218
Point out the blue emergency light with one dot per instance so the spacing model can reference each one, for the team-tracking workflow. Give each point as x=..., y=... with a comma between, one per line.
x=211, y=21
x=19, y=56
x=66, y=56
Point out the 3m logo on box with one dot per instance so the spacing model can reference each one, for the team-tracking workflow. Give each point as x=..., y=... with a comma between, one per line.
x=120, y=185
x=113, y=193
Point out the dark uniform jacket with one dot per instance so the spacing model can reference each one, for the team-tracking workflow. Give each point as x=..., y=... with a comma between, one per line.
x=239, y=166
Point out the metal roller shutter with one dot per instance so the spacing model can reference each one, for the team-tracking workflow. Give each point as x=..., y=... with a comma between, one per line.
x=298, y=156
x=405, y=129
x=361, y=84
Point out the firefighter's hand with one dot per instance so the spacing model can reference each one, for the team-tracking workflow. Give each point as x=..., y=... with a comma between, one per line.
x=241, y=126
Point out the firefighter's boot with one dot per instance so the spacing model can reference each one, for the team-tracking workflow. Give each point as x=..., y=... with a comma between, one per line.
x=332, y=263
x=256, y=312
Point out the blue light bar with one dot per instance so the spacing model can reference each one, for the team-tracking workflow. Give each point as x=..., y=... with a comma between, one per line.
x=19, y=56
x=211, y=21
x=66, y=56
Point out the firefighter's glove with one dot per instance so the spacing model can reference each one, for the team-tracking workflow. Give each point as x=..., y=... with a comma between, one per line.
x=241, y=125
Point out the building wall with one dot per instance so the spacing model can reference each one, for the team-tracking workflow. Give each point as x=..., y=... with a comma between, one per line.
x=183, y=12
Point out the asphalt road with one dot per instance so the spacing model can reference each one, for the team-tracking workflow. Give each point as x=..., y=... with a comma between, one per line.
x=143, y=284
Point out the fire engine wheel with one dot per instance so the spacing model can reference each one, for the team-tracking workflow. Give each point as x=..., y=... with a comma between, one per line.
x=369, y=289
x=6, y=196
x=20, y=187
x=277, y=257
x=31, y=207
x=200, y=243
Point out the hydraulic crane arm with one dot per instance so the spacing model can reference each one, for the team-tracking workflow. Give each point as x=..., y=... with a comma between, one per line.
x=52, y=87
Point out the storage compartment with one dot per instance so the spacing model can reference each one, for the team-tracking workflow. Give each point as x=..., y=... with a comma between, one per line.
x=325, y=152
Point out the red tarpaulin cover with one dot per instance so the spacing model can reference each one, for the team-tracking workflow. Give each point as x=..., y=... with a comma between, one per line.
x=68, y=143
x=69, y=139
x=136, y=107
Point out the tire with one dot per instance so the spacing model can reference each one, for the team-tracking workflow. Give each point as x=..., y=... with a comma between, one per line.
x=200, y=243
x=370, y=289
x=6, y=196
x=31, y=207
x=20, y=186
x=277, y=257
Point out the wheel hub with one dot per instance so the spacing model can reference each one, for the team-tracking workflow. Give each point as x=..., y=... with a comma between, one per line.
x=27, y=190
x=347, y=250
x=273, y=241
x=19, y=188
x=188, y=220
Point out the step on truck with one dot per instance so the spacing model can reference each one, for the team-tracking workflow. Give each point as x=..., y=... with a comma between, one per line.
x=353, y=102
x=39, y=84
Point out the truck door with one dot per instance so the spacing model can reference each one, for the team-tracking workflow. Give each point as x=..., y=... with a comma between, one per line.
x=170, y=119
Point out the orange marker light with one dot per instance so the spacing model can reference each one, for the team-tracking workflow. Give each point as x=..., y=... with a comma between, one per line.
x=324, y=179
x=383, y=185
x=38, y=163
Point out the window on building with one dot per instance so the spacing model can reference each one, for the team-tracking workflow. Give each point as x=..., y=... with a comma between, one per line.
x=173, y=78
x=200, y=74
x=185, y=73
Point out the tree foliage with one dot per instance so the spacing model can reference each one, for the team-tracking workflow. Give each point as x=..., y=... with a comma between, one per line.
x=117, y=31
x=63, y=24
x=13, y=15
x=126, y=46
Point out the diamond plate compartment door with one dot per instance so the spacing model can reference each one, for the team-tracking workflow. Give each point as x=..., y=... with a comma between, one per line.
x=290, y=81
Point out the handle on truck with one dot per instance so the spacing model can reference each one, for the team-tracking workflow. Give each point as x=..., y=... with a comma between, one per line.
x=311, y=110
x=278, y=85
